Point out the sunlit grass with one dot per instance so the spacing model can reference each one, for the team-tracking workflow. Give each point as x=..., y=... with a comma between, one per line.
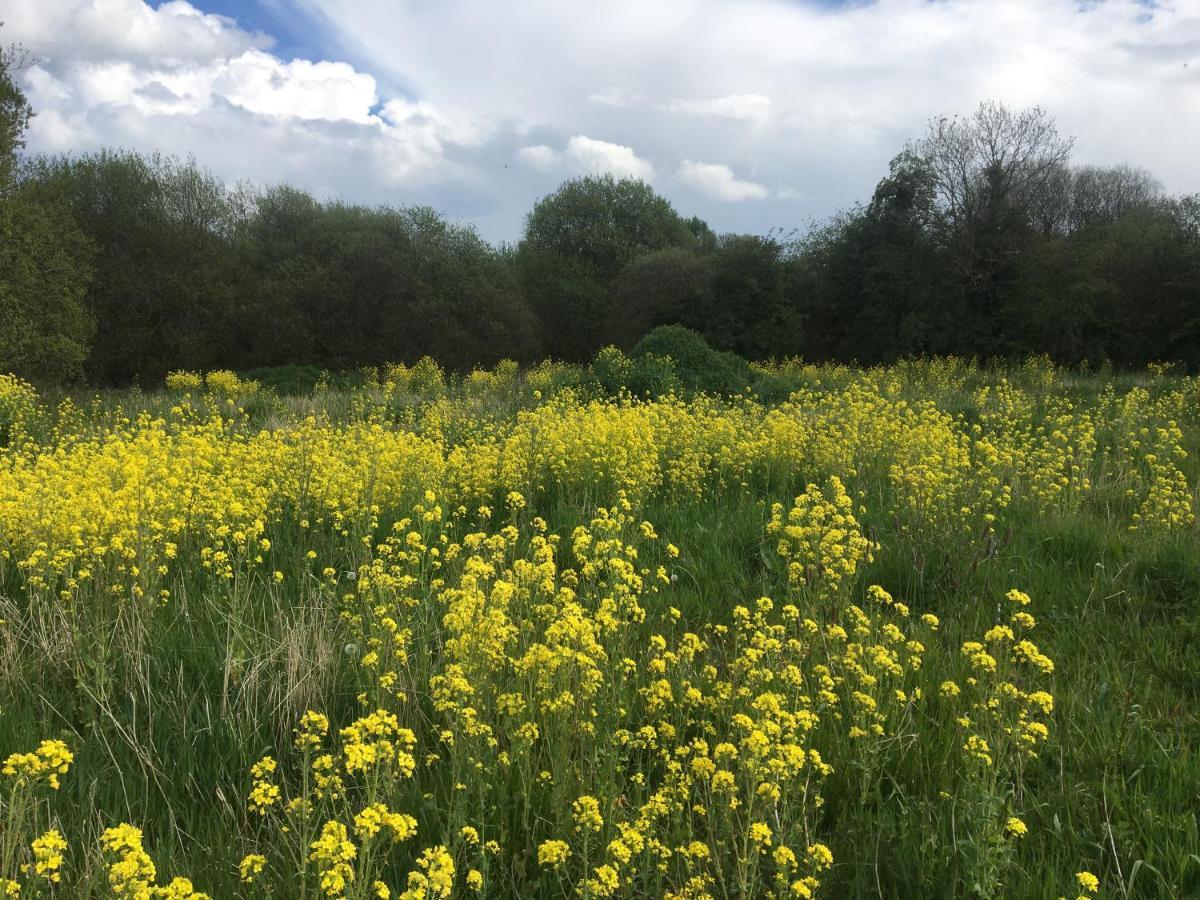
x=543, y=609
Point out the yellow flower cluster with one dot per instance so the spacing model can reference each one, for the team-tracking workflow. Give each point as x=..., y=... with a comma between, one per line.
x=1168, y=499
x=108, y=507
x=182, y=380
x=20, y=408
x=333, y=852
x=1044, y=447
x=534, y=713
x=48, y=856
x=131, y=872
x=46, y=764
x=820, y=539
x=1001, y=715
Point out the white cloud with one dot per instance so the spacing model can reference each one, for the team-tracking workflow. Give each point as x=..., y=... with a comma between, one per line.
x=718, y=181
x=587, y=156
x=739, y=107
x=452, y=129
x=476, y=107
x=416, y=138
x=254, y=80
x=119, y=72
x=130, y=30
x=831, y=93
x=539, y=156
x=614, y=96
x=261, y=83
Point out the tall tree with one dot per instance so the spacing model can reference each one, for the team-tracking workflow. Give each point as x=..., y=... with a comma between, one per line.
x=45, y=268
x=1103, y=195
x=873, y=284
x=15, y=113
x=45, y=262
x=603, y=222
x=576, y=241
x=990, y=171
x=747, y=311
x=658, y=288
x=340, y=285
x=164, y=274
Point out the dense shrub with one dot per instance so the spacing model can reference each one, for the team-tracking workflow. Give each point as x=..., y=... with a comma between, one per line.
x=648, y=375
x=697, y=365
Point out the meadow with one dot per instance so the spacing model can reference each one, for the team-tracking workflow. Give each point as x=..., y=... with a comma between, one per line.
x=923, y=630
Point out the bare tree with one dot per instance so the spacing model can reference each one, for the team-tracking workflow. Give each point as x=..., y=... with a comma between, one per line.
x=995, y=174
x=992, y=155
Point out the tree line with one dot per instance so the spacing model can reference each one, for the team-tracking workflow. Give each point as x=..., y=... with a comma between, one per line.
x=982, y=240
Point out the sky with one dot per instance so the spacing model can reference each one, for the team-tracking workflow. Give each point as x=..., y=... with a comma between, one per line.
x=756, y=115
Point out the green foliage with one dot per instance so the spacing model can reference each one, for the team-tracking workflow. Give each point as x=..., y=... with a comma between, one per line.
x=570, y=301
x=603, y=223
x=164, y=281
x=646, y=375
x=549, y=377
x=45, y=262
x=577, y=241
x=749, y=312
x=981, y=242
x=697, y=365
x=45, y=268
x=15, y=113
x=340, y=286
x=612, y=370
x=653, y=376
x=874, y=284
x=658, y=288
x=190, y=275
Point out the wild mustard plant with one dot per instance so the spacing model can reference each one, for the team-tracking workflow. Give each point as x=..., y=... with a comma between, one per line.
x=462, y=645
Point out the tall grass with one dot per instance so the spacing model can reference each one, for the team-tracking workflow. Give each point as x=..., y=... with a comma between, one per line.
x=557, y=595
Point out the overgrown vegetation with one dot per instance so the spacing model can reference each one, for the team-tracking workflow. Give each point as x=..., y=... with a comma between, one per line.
x=504, y=633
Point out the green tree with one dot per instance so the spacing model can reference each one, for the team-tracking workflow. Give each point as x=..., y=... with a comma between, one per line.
x=872, y=284
x=576, y=241
x=1100, y=194
x=469, y=304
x=991, y=173
x=284, y=278
x=15, y=113
x=340, y=286
x=1121, y=282
x=1151, y=258
x=749, y=312
x=45, y=327
x=706, y=238
x=658, y=288
x=696, y=364
x=165, y=268
x=1064, y=303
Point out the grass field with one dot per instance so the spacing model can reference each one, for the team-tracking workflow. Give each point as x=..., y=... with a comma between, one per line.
x=922, y=631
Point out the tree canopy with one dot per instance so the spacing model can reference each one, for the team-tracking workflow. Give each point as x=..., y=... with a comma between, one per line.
x=981, y=240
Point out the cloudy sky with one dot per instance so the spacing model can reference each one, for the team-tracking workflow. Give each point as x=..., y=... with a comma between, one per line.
x=754, y=114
